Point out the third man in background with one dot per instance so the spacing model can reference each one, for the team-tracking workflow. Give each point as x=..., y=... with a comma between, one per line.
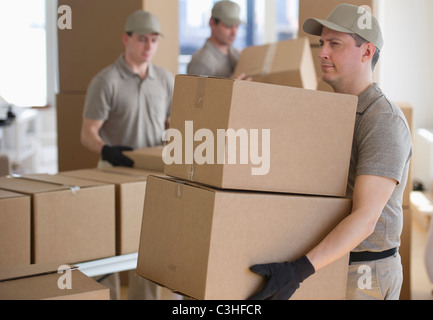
x=218, y=57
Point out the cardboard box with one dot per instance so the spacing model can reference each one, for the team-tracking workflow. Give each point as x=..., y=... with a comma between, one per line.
x=14, y=229
x=147, y=158
x=288, y=63
x=41, y=282
x=81, y=57
x=289, y=140
x=73, y=220
x=408, y=112
x=4, y=165
x=130, y=193
x=405, y=253
x=72, y=155
x=202, y=241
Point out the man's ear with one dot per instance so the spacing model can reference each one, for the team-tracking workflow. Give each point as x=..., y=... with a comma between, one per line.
x=369, y=51
x=125, y=38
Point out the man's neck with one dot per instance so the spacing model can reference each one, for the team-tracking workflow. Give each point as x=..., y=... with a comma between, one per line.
x=221, y=47
x=140, y=69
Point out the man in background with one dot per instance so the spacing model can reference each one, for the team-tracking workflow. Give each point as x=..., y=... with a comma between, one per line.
x=128, y=107
x=128, y=104
x=218, y=57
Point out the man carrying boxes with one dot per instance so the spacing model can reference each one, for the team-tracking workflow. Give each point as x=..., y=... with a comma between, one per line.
x=378, y=174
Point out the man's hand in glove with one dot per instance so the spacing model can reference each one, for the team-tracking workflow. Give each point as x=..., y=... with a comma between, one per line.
x=283, y=279
x=115, y=156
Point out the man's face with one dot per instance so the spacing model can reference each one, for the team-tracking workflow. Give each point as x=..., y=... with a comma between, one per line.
x=141, y=48
x=224, y=34
x=340, y=58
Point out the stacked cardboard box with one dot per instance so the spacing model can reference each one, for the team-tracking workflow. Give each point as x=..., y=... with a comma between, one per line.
x=14, y=229
x=68, y=220
x=208, y=223
x=81, y=58
x=49, y=282
x=130, y=187
x=406, y=237
x=288, y=62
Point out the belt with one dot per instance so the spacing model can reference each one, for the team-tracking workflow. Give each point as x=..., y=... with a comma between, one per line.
x=371, y=256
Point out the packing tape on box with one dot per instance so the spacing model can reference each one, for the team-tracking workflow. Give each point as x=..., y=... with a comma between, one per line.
x=73, y=189
x=270, y=55
x=201, y=87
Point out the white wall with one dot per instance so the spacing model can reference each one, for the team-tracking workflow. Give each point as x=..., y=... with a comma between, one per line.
x=407, y=57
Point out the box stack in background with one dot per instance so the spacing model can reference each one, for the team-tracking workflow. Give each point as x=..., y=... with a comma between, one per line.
x=406, y=237
x=321, y=9
x=81, y=57
x=41, y=282
x=288, y=63
x=72, y=220
x=206, y=225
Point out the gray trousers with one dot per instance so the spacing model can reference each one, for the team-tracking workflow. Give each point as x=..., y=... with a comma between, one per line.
x=375, y=280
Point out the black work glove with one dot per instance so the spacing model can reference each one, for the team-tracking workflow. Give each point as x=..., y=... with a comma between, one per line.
x=115, y=156
x=283, y=278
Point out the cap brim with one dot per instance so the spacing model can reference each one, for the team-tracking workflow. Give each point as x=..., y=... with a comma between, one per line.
x=315, y=26
x=148, y=31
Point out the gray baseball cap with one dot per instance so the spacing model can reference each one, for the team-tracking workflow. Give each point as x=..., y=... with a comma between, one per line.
x=348, y=19
x=142, y=22
x=228, y=12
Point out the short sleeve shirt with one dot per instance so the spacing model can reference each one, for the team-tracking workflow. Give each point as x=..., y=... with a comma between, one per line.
x=209, y=61
x=382, y=146
x=134, y=111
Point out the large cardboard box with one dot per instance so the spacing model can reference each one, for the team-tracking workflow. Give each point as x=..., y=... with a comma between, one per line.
x=235, y=134
x=14, y=229
x=288, y=63
x=130, y=193
x=202, y=241
x=81, y=57
x=147, y=158
x=73, y=220
x=72, y=155
x=49, y=282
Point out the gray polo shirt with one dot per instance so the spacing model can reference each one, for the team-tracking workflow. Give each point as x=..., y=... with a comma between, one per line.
x=134, y=110
x=382, y=146
x=209, y=61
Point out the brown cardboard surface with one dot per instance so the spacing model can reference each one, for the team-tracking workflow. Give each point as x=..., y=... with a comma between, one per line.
x=14, y=229
x=72, y=155
x=130, y=193
x=407, y=109
x=405, y=253
x=40, y=282
x=288, y=63
x=311, y=135
x=202, y=241
x=72, y=220
x=147, y=159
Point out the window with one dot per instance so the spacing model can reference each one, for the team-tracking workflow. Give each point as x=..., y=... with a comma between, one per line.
x=267, y=21
x=23, y=76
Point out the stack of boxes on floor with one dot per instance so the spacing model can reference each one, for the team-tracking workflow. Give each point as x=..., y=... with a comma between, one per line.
x=259, y=175
x=48, y=221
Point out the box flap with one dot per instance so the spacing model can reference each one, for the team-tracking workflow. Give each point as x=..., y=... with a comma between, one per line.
x=4, y=194
x=34, y=270
x=102, y=176
x=62, y=180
